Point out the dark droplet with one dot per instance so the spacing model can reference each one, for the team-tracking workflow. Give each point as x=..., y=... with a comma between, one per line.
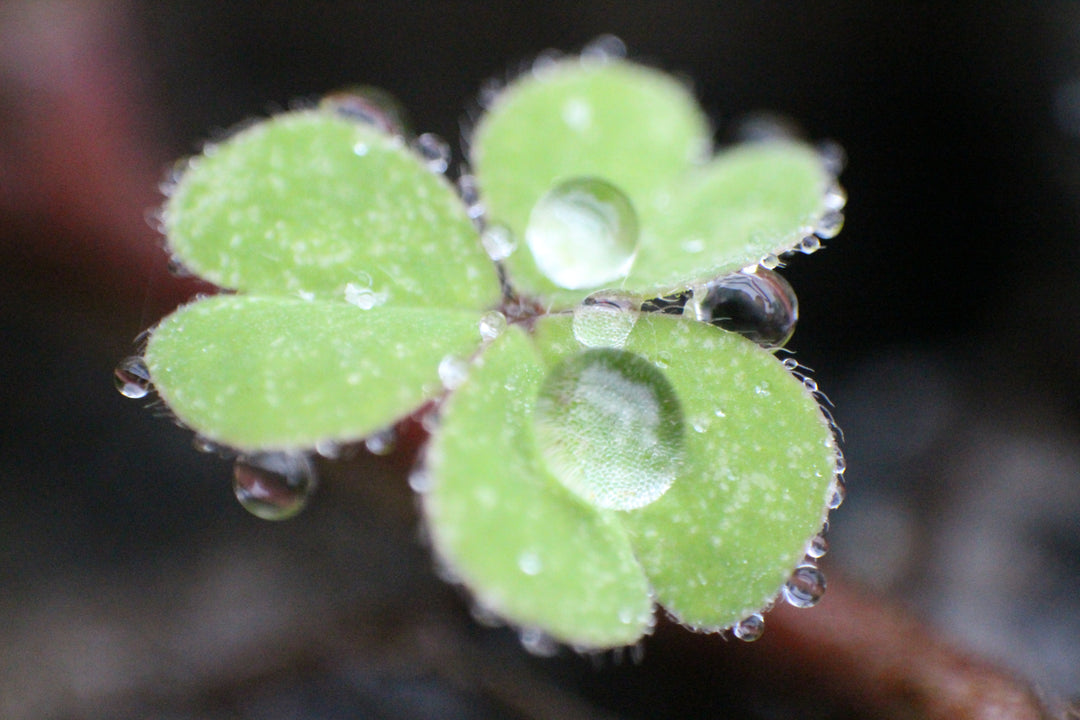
x=759, y=305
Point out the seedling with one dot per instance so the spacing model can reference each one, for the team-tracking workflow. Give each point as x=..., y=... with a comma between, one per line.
x=588, y=324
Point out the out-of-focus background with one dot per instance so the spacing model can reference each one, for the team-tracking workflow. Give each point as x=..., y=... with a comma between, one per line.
x=941, y=322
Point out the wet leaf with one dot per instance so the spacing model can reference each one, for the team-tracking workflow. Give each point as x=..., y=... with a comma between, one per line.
x=527, y=548
x=635, y=127
x=750, y=201
x=314, y=203
x=271, y=373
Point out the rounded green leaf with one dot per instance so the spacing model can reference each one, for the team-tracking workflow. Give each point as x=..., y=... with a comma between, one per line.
x=758, y=461
x=527, y=548
x=751, y=201
x=630, y=125
x=271, y=373
x=760, y=458
x=311, y=203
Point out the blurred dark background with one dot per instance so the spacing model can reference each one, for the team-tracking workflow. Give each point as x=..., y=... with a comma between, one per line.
x=941, y=322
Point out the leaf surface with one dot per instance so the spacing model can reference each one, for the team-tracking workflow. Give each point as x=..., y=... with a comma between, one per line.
x=312, y=203
x=272, y=373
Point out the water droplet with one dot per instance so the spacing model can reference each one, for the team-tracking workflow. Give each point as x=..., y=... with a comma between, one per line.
x=434, y=151
x=791, y=363
x=498, y=242
x=363, y=297
x=805, y=587
x=469, y=190
x=759, y=305
x=606, y=318
x=206, y=445
x=770, y=262
x=329, y=449
x=817, y=547
x=370, y=106
x=420, y=480
x=529, y=563
x=749, y=628
x=273, y=485
x=583, y=233
x=830, y=225
x=132, y=378
x=453, y=371
x=810, y=244
x=837, y=493
x=841, y=462
x=177, y=268
x=610, y=428
x=668, y=304
x=537, y=642
x=492, y=325
x=546, y=61
x=833, y=156
x=484, y=616
x=381, y=443
x=604, y=48
x=835, y=197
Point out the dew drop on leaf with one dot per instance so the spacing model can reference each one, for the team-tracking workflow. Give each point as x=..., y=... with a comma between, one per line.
x=749, y=628
x=498, y=242
x=759, y=305
x=382, y=442
x=434, y=151
x=492, y=325
x=368, y=105
x=817, y=547
x=805, y=587
x=837, y=493
x=609, y=426
x=453, y=371
x=830, y=225
x=537, y=642
x=273, y=485
x=605, y=318
x=132, y=378
x=583, y=233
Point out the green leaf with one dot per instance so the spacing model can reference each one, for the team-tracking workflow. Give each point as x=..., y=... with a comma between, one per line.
x=751, y=201
x=759, y=458
x=526, y=547
x=270, y=373
x=311, y=203
x=633, y=126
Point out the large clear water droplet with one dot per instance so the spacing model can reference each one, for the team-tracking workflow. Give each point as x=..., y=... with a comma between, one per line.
x=749, y=628
x=370, y=106
x=609, y=427
x=132, y=377
x=805, y=587
x=759, y=305
x=583, y=233
x=605, y=318
x=434, y=151
x=273, y=485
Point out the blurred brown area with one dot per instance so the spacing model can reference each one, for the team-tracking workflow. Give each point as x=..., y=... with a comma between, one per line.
x=940, y=323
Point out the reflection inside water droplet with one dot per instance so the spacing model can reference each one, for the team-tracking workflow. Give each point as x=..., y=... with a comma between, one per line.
x=668, y=304
x=759, y=305
x=583, y=233
x=370, y=106
x=805, y=587
x=749, y=628
x=132, y=378
x=610, y=428
x=606, y=318
x=273, y=485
